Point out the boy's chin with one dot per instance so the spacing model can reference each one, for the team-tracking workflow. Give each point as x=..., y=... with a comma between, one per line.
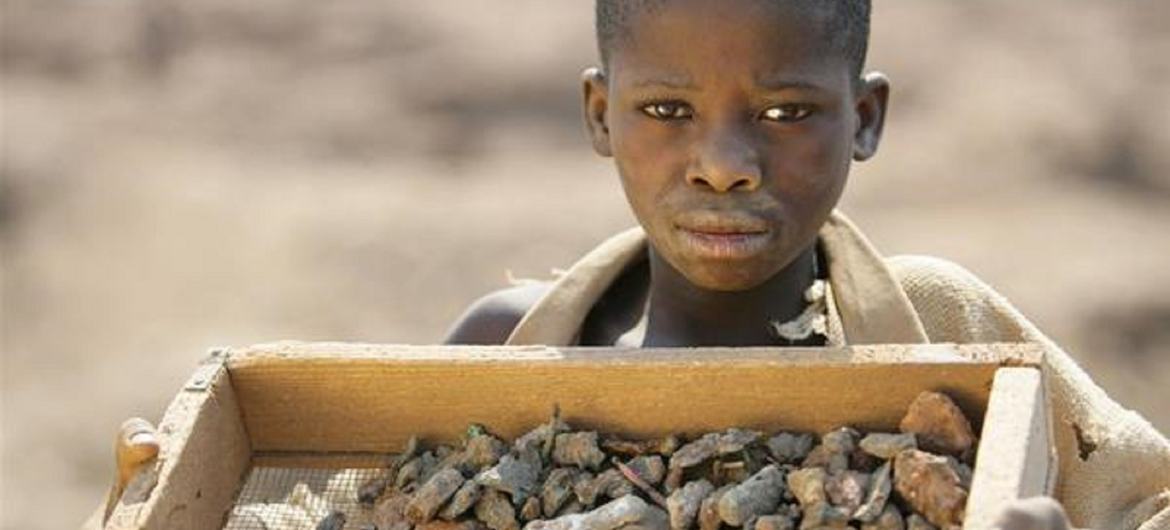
x=725, y=278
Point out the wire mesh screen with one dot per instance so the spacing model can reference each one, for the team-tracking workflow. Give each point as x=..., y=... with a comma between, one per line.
x=284, y=498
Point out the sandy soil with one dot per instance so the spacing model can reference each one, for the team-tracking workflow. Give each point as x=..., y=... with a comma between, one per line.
x=182, y=175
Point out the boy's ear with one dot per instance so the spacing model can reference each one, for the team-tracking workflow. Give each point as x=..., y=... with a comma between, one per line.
x=872, y=104
x=596, y=102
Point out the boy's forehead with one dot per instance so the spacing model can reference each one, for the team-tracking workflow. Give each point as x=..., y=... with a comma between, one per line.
x=679, y=42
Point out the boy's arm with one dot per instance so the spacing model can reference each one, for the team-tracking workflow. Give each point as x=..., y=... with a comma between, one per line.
x=491, y=319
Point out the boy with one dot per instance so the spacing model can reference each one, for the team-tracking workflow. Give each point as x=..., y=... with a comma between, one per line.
x=732, y=124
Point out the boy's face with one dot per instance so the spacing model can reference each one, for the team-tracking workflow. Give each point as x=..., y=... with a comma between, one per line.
x=733, y=124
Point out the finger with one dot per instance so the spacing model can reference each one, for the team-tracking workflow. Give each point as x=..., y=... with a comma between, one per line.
x=136, y=444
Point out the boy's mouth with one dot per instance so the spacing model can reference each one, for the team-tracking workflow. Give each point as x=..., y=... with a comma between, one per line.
x=721, y=236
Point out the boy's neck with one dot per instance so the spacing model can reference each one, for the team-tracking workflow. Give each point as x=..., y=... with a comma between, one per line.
x=683, y=314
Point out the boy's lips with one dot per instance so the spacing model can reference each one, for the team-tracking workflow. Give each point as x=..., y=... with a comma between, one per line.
x=721, y=236
x=715, y=222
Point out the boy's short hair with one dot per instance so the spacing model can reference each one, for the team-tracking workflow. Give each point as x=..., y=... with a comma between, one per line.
x=848, y=24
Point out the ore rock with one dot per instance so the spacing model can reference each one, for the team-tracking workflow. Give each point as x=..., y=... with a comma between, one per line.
x=431, y=496
x=443, y=451
x=674, y=479
x=791, y=510
x=735, y=440
x=890, y=519
x=541, y=436
x=774, y=522
x=649, y=468
x=439, y=524
x=843, y=440
x=557, y=489
x=847, y=489
x=584, y=488
x=578, y=449
x=788, y=448
x=610, y=483
x=725, y=472
x=916, y=522
x=495, y=511
x=938, y=425
x=390, y=512
x=862, y=461
x=759, y=495
x=483, y=451
x=886, y=445
x=834, y=452
x=963, y=470
x=824, y=515
x=930, y=486
x=711, y=445
x=695, y=453
x=369, y=492
x=463, y=499
x=515, y=474
x=808, y=485
x=626, y=513
x=827, y=460
x=409, y=472
x=708, y=517
x=626, y=447
x=879, y=493
x=570, y=508
x=531, y=509
x=823, y=457
x=683, y=504
x=428, y=466
x=667, y=446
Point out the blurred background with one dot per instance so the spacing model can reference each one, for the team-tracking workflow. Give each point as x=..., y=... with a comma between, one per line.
x=180, y=175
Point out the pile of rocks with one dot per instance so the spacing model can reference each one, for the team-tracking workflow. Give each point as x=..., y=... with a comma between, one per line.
x=555, y=478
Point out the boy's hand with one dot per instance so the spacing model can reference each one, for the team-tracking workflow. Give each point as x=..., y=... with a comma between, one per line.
x=135, y=446
x=1036, y=513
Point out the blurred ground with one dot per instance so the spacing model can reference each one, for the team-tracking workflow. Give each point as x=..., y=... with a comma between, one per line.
x=182, y=175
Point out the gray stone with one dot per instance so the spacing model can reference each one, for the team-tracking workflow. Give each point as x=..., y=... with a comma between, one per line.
x=758, y=495
x=626, y=513
x=886, y=445
x=879, y=493
x=683, y=504
x=788, y=448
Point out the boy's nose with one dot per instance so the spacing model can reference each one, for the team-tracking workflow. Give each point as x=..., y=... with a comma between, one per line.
x=726, y=161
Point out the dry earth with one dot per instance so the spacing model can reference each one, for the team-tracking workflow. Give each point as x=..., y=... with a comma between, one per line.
x=182, y=175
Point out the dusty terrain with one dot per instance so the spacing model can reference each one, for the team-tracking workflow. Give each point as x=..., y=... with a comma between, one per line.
x=182, y=175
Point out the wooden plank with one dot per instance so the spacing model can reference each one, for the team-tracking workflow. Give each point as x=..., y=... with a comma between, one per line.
x=1004, y=354
x=1015, y=454
x=369, y=398
x=205, y=453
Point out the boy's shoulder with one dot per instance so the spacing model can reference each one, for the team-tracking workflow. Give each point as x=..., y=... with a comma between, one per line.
x=924, y=273
x=953, y=304
x=491, y=319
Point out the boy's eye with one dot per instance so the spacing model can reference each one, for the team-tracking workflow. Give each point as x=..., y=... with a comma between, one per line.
x=668, y=110
x=787, y=113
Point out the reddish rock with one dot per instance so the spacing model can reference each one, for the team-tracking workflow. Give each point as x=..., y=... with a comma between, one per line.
x=847, y=489
x=930, y=485
x=939, y=425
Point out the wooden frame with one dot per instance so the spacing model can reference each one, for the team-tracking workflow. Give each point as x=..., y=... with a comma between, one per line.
x=341, y=404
